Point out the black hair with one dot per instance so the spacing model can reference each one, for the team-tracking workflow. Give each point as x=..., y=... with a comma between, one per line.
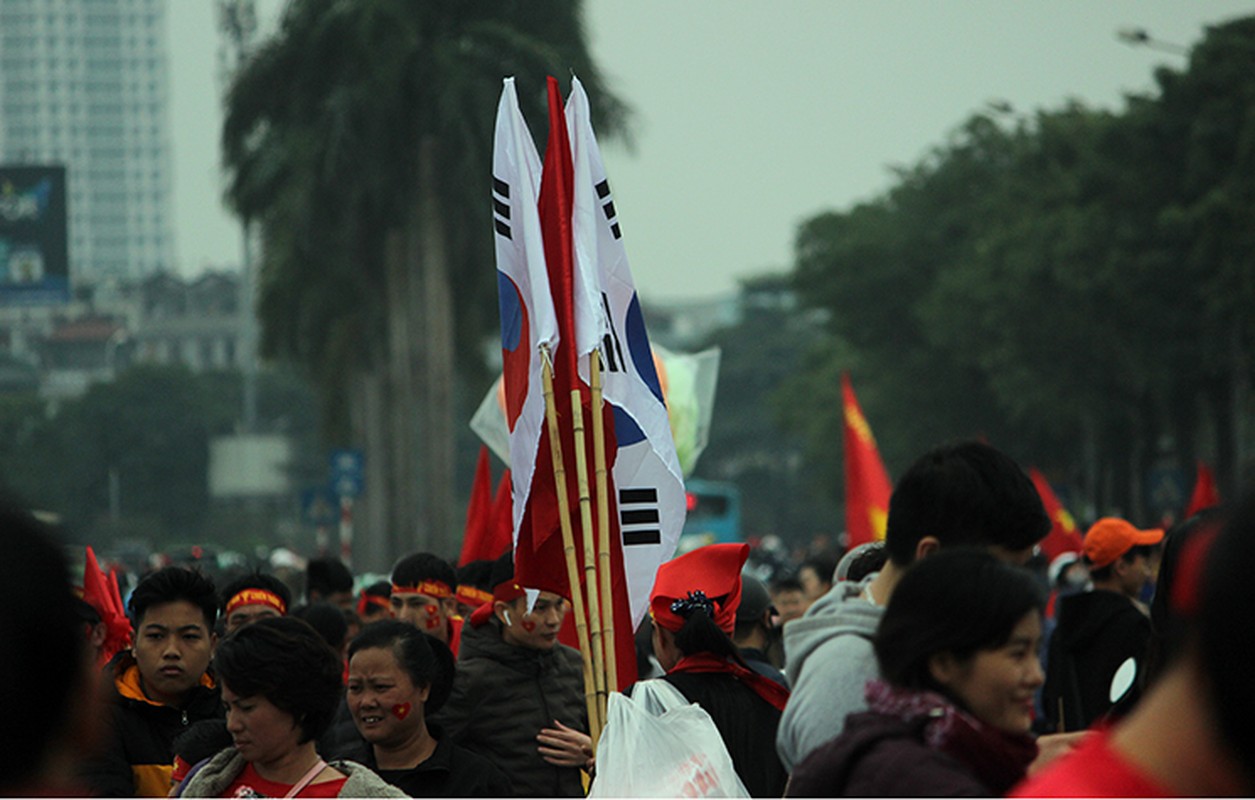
x=1226, y=625
x=477, y=574
x=790, y=584
x=1107, y=570
x=700, y=634
x=201, y=740
x=86, y=612
x=379, y=589
x=257, y=580
x=959, y=601
x=964, y=494
x=171, y=584
x=328, y=620
x=326, y=576
x=427, y=660
x=418, y=567
x=286, y=661
x=502, y=570
x=43, y=644
x=824, y=566
x=1171, y=626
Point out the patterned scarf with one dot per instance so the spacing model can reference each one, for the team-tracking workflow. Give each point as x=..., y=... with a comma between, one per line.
x=996, y=758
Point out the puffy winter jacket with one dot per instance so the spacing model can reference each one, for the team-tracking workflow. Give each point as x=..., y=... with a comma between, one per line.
x=138, y=756
x=503, y=695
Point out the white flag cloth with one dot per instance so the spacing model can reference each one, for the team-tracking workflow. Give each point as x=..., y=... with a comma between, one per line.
x=528, y=320
x=646, y=476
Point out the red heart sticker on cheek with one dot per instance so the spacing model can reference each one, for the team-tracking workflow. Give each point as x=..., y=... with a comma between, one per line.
x=401, y=710
x=528, y=625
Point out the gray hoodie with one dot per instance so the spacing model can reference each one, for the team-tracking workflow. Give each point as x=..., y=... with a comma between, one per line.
x=830, y=659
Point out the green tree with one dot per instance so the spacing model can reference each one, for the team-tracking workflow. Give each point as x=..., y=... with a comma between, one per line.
x=750, y=442
x=1072, y=286
x=359, y=138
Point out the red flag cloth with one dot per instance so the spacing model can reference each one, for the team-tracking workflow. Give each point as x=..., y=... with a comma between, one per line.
x=1205, y=494
x=101, y=593
x=501, y=524
x=1063, y=536
x=867, y=486
x=479, y=519
x=539, y=557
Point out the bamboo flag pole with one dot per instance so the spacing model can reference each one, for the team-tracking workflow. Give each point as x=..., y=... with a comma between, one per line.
x=568, y=546
x=590, y=555
x=603, y=524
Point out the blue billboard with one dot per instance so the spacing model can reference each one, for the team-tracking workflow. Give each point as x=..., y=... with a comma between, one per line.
x=34, y=255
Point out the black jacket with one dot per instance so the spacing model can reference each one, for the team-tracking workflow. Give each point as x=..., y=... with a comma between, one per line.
x=451, y=771
x=747, y=724
x=1097, y=632
x=502, y=697
x=137, y=759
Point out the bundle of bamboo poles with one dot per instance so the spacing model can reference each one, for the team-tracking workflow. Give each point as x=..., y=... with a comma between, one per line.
x=594, y=629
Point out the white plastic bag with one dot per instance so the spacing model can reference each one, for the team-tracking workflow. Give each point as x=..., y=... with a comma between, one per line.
x=658, y=744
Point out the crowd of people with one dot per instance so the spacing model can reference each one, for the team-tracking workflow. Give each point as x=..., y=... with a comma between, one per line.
x=932, y=663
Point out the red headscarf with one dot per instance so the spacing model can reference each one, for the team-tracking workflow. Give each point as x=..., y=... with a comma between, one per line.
x=709, y=576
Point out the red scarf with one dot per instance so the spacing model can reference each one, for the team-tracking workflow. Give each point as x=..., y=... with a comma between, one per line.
x=764, y=687
x=996, y=758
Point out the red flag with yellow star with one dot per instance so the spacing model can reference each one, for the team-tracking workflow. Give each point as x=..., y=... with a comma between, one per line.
x=1063, y=536
x=867, y=486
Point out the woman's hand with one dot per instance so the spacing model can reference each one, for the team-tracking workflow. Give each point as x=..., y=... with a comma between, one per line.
x=1052, y=745
x=565, y=747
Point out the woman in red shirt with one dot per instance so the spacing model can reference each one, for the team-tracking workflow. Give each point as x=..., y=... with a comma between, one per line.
x=281, y=687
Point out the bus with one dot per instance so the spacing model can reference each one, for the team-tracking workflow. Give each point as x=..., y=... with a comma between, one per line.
x=714, y=514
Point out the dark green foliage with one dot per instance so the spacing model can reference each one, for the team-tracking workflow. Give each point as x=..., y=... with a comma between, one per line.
x=1072, y=286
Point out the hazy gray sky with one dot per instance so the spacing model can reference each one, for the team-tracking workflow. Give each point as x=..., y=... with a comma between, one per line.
x=754, y=116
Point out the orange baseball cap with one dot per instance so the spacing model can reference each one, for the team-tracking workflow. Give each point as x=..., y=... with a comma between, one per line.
x=1111, y=537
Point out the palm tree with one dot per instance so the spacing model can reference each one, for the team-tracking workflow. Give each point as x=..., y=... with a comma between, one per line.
x=359, y=139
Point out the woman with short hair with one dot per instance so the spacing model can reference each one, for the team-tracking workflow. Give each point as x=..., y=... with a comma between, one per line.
x=280, y=686
x=950, y=716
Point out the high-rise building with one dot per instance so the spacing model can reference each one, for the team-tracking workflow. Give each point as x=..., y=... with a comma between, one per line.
x=84, y=83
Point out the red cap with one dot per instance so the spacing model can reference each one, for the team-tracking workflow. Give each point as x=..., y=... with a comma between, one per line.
x=711, y=573
x=1111, y=537
x=506, y=591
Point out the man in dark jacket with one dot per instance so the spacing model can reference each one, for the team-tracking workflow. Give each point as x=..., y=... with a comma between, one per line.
x=1099, y=645
x=160, y=685
x=518, y=697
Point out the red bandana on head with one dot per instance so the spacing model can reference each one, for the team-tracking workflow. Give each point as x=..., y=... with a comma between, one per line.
x=709, y=576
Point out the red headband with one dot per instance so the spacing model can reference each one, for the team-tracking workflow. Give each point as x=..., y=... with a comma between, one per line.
x=367, y=600
x=438, y=589
x=257, y=597
x=473, y=596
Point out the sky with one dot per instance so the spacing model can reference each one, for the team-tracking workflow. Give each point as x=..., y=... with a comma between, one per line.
x=752, y=116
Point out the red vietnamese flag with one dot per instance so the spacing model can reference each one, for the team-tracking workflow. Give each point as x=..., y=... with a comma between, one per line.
x=479, y=520
x=502, y=517
x=1205, y=494
x=1063, y=536
x=867, y=486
